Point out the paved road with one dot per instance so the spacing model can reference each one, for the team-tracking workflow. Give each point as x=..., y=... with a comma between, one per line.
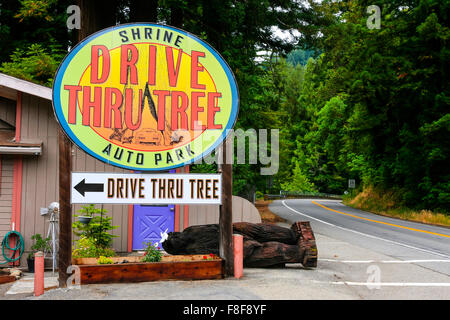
x=406, y=243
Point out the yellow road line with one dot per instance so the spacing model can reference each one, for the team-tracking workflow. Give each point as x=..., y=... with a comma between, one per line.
x=389, y=224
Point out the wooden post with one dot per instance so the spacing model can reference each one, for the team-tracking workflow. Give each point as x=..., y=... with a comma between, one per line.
x=226, y=216
x=65, y=209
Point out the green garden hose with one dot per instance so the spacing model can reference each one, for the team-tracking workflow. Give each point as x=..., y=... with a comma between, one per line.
x=20, y=246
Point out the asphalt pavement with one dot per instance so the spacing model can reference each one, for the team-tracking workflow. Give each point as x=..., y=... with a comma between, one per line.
x=408, y=242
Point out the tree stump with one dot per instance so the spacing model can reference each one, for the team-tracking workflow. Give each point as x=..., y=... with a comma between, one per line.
x=265, y=245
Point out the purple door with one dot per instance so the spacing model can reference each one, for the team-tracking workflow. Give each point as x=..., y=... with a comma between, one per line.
x=149, y=221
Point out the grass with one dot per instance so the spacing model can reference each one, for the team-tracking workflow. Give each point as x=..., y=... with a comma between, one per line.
x=267, y=215
x=385, y=204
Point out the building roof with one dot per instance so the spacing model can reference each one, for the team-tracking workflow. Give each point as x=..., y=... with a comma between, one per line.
x=8, y=145
x=9, y=86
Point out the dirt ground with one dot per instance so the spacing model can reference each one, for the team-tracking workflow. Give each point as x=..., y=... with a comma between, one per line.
x=267, y=215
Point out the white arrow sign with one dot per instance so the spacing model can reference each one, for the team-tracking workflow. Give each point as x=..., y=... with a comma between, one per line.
x=146, y=188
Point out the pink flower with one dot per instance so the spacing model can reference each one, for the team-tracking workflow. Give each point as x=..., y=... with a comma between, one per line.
x=205, y=257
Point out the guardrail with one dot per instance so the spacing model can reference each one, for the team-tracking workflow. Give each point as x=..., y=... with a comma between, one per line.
x=299, y=194
x=273, y=196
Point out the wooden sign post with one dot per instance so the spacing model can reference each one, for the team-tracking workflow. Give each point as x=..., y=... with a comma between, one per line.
x=65, y=209
x=226, y=215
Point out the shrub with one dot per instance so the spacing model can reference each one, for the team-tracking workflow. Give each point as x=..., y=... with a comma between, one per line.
x=88, y=248
x=39, y=244
x=152, y=254
x=97, y=228
x=104, y=260
x=259, y=195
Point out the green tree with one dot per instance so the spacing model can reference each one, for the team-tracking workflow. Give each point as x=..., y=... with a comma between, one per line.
x=40, y=22
x=35, y=64
x=395, y=88
x=97, y=230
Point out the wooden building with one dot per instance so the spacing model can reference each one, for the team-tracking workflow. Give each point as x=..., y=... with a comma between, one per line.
x=29, y=176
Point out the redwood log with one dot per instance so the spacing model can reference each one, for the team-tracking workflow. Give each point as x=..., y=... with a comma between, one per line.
x=250, y=245
x=274, y=253
x=202, y=239
x=265, y=245
x=265, y=232
x=306, y=242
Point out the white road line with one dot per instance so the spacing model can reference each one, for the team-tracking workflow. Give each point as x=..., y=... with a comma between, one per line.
x=388, y=284
x=385, y=261
x=365, y=234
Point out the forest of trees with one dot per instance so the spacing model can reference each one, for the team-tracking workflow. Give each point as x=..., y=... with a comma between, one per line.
x=350, y=102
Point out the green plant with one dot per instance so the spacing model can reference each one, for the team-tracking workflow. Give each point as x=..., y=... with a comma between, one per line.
x=104, y=260
x=88, y=248
x=97, y=228
x=152, y=253
x=90, y=211
x=35, y=9
x=40, y=244
x=35, y=63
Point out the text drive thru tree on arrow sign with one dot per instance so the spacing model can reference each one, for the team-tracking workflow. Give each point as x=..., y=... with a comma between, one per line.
x=137, y=188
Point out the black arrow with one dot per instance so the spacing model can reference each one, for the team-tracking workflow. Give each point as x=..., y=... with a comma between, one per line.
x=83, y=187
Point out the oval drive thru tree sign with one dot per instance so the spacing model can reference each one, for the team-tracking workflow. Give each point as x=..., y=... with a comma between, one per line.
x=145, y=97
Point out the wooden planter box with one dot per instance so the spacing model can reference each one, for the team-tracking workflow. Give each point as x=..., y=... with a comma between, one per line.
x=5, y=278
x=193, y=269
x=132, y=259
x=83, y=261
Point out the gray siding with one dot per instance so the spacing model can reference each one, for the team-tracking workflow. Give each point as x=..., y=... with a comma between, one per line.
x=6, y=190
x=39, y=173
x=8, y=111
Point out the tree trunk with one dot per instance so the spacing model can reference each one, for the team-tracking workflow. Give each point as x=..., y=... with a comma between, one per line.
x=96, y=15
x=273, y=253
x=144, y=11
x=265, y=245
x=176, y=16
x=264, y=232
